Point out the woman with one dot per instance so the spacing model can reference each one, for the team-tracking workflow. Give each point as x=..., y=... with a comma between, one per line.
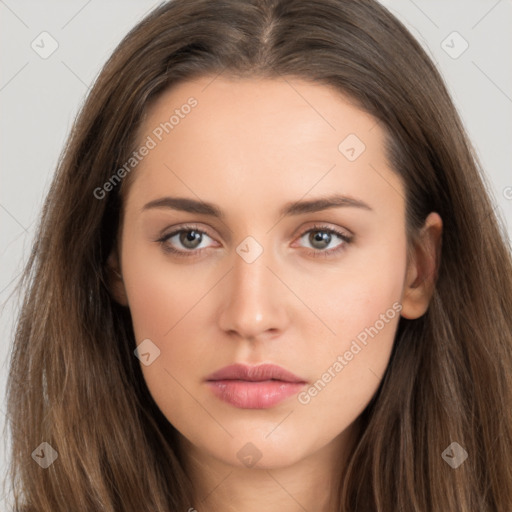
x=339, y=338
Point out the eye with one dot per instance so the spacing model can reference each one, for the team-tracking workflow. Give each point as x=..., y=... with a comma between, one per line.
x=321, y=237
x=187, y=238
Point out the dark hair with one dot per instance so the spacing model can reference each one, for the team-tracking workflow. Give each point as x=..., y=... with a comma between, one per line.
x=74, y=380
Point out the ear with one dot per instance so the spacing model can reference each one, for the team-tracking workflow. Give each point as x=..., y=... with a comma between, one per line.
x=422, y=268
x=115, y=278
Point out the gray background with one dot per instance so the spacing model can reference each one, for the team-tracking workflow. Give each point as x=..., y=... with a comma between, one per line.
x=39, y=99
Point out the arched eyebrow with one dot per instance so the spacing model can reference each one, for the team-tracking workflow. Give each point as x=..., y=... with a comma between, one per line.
x=289, y=209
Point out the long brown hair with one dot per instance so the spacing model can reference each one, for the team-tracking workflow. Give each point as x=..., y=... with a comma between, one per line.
x=74, y=380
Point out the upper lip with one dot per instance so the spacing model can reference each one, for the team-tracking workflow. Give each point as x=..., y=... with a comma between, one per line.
x=258, y=373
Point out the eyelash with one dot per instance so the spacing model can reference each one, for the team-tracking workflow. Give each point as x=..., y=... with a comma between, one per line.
x=311, y=252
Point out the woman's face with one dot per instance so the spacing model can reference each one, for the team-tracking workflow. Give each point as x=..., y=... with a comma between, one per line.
x=263, y=226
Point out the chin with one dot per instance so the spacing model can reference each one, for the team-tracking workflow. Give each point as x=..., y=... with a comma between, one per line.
x=259, y=450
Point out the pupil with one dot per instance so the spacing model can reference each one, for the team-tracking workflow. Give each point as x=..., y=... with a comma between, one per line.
x=190, y=236
x=320, y=236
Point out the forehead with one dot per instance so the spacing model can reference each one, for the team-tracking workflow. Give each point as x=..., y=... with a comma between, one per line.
x=298, y=111
x=281, y=135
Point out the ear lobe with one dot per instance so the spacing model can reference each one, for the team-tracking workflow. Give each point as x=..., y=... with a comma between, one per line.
x=422, y=269
x=115, y=279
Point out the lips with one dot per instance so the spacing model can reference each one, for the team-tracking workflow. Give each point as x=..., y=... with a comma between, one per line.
x=254, y=387
x=258, y=373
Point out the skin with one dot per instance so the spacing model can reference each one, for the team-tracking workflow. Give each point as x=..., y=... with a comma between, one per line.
x=250, y=146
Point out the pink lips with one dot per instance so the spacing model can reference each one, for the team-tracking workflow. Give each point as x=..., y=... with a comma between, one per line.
x=254, y=387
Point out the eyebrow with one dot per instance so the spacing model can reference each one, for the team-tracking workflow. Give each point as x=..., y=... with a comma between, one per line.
x=292, y=208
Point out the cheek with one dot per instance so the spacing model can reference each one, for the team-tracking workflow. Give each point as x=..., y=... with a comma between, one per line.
x=354, y=295
x=160, y=294
x=362, y=306
x=165, y=306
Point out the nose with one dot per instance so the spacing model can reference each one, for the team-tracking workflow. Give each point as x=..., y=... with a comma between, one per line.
x=254, y=301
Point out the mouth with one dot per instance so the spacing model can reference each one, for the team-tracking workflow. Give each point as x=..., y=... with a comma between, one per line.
x=254, y=387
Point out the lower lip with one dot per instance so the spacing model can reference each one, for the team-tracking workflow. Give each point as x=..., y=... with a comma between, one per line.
x=254, y=395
